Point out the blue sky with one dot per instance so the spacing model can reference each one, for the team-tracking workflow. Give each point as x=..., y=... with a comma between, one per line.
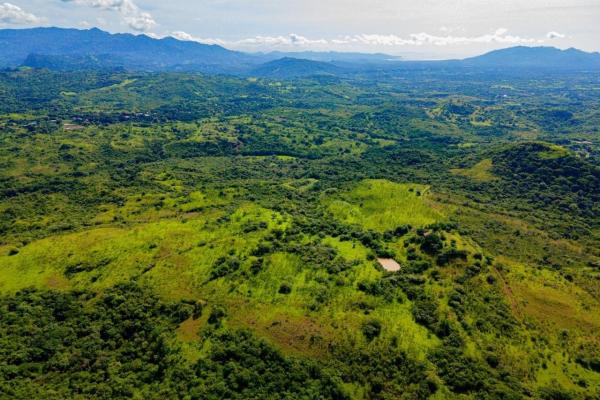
x=417, y=29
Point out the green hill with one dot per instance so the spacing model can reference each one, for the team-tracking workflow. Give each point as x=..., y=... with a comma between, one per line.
x=167, y=235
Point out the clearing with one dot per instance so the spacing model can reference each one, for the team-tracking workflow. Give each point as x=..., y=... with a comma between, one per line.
x=382, y=205
x=389, y=264
x=482, y=171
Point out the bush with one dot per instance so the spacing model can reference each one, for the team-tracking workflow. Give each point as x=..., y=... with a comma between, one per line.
x=371, y=329
x=216, y=315
x=424, y=311
x=450, y=255
x=225, y=266
x=460, y=373
x=432, y=244
x=285, y=288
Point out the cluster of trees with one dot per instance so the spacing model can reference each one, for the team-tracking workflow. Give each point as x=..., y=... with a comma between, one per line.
x=119, y=345
x=551, y=177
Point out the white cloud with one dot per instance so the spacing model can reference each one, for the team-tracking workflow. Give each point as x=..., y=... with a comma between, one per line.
x=153, y=35
x=272, y=41
x=500, y=36
x=303, y=41
x=180, y=35
x=420, y=39
x=11, y=14
x=132, y=15
x=555, y=35
x=140, y=22
x=276, y=41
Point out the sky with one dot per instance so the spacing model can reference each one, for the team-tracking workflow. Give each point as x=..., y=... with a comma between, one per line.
x=417, y=29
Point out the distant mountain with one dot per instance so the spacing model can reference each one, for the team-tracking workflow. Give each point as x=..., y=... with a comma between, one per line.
x=138, y=52
x=536, y=57
x=73, y=49
x=74, y=62
x=294, y=68
x=333, y=57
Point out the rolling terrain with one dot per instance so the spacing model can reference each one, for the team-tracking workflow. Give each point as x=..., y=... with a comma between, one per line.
x=178, y=235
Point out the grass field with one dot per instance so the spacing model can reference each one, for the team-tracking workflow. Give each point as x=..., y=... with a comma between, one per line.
x=480, y=172
x=382, y=205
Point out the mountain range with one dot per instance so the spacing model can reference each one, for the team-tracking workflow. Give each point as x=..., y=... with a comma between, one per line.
x=137, y=52
x=537, y=57
x=73, y=49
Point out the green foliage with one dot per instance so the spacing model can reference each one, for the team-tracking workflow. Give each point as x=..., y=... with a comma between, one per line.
x=552, y=177
x=461, y=373
x=246, y=215
x=120, y=346
x=432, y=244
x=241, y=367
x=225, y=266
x=371, y=329
x=425, y=312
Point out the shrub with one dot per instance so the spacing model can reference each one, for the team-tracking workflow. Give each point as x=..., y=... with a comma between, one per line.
x=216, y=315
x=460, y=373
x=432, y=244
x=285, y=288
x=225, y=266
x=424, y=311
x=371, y=329
x=450, y=255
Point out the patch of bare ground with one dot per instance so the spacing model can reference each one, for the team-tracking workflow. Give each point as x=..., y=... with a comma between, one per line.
x=389, y=264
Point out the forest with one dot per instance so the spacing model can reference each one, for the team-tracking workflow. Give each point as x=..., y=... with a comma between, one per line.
x=394, y=235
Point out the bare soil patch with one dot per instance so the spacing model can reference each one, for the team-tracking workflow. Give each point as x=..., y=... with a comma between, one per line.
x=389, y=264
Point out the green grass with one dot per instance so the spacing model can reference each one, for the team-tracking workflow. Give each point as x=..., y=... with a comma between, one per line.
x=553, y=152
x=479, y=172
x=349, y=250
x=382, y=205
x=175, y=256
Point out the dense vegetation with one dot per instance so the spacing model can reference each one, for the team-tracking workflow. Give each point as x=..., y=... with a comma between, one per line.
x=190, y=236
x=121, y=346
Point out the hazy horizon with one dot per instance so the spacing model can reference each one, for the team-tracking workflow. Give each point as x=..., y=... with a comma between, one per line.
x=432, y=29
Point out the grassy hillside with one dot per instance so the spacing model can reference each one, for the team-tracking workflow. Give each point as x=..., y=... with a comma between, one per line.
x=179, y=236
